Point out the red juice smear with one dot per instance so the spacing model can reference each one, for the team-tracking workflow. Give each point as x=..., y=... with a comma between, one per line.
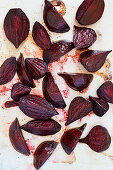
x=4, y=90
x=30, y=146
x=66, y=93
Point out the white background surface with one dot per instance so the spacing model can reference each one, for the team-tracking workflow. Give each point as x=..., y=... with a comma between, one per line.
x=86, y=159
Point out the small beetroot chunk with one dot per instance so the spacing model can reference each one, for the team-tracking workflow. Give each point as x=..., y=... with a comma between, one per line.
x=43, y=152
x=70, y=139
x=98, y=139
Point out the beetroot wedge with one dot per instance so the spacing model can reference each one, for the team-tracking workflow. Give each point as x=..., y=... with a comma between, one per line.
x=52, y=93
x=36, y=67
x=10, y=103
x=78, y=109
x=54, y=20
x=42, y=127
x=8, y=70
x=77, y=81
x=100, y=107
x=98, y=139
x=83, y=37
x=19, y=90
x=17, y=139
x=105, y=91
x=41, y=36
x=93, y=60
x=36, y=107
x=90, y=11
x=43, y=152
x=57, y=50
x=23, y=74
x=70, y=138
x=16, y=26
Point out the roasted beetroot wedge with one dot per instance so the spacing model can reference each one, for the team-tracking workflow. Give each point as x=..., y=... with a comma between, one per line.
x=83, y=37
x=77, y=81
x=16, y=26
x=57, y=50
x=90, y=11
x=105, y=91
x=11, y=103
x=41, y=36
x=43, y=152
x=42, y=127
x=36, y=107
x=36, y=67
x=17, y=139
x=93, y=60
x=19, y=90
x=52, y=93
x=78, y=109
x=100, y=107
x=23, y=74
x=70, y=138
x=54, y=20
x=98, y=139
x=8, y=70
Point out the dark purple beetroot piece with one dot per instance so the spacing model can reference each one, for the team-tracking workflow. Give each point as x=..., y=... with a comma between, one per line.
x=52, y=93
x=90, y=11
x=93, y=60
x=11, y=103
x=98, y=139
x=70, y=138
x=42, y=127
x=105, y=91
x=36, y=107
x=16, y=26
x=37, y=68
x=23, y=74
x=77, y=81
x=54, y=20
x=83, y=37
x=100, y=107
x=57, y=50
x=41, y=36
x=19, y=90
x=17, y=139
x=78, y=109
x=43, y=152
x=8, y=70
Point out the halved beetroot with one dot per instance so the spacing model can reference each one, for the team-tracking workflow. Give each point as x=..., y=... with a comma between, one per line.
x=54, y=20
x=52, y=93
x=57, y=50
x=37, y=68
x=41, y=36
x=77, y=81
x=70, y=138
x=16, y=26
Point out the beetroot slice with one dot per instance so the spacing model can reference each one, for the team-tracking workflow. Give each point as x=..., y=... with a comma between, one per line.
x=19, y=90
x=42, y=127
x=77, y=81
x=16, y=26
x=43, y=152
x=78, y=109
x=23, y=74
x=52, y=93
x=70, y=138
x=41, y=36
x=90, y=11
x=105, y=91
x=83, y=37
x=37, y=68
x=93, y=60
x=98, y=139
x=57, y=50
x=100, y=107
x=17, y=139
x=54, y=20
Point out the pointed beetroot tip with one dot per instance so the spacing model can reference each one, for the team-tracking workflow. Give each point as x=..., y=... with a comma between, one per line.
x=83, y=127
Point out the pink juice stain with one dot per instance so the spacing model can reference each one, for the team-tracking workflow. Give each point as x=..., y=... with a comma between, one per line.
x=30, y=146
